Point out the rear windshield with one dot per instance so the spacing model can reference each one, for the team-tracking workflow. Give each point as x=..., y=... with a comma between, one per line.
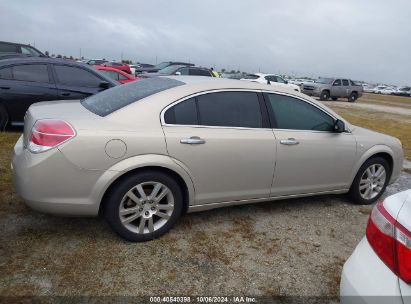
x=108, y=101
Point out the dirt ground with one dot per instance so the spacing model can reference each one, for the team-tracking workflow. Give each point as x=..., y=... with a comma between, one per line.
x=290, y=247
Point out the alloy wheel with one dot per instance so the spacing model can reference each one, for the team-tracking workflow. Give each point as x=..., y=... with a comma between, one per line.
x=372, y=181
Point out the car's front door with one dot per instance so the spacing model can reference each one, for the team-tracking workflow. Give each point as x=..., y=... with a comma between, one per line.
x=224, y=141
x=310, y=157
x=336, y=88
x=345, y=89
x=76, y=83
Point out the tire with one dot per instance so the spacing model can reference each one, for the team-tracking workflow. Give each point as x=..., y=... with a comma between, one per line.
x=170, y=206
x=325, y=95
x=364, y=180
x=4, y=118
x=334, y=98
x=353, y=97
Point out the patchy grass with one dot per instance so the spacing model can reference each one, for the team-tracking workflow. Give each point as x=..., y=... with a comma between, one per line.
x=391, y=124
x=7, y=141
x=386, y=100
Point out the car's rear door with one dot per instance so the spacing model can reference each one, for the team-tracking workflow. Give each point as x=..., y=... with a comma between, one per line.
x=27, y=84
x=75, y=82
x=310, y=157
x=224, y=141
x=345, y=89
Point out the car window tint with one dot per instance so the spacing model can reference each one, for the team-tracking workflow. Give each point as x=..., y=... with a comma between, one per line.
x=230, y=109
x=111, y=100
x=345, y=82
x=295, y=114
x=31, y=72
x=280, y=79
x=8, y=48
x=184, y=113
x=199, y=72
x=183, y=71
x=6, y=73
x=74, y=76
x=29, y=51
x=113, y=75
x=121, y=76
x=337, y=82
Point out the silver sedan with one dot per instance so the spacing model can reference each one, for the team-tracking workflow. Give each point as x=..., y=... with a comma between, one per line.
x=146, y=152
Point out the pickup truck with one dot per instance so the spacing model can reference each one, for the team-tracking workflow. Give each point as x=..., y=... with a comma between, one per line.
x=334, y=88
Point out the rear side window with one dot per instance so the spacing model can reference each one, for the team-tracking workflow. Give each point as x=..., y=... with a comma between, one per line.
x=295, y=114
x=31, y=72
x=199, y=72
x=184, y=113
x=6, y=73
x=113, y=99
x=73, y=76
x=230, y=109
x=8, y=48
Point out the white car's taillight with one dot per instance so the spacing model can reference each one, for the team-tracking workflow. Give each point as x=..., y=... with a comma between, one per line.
x=49, y=133
x=391, y=242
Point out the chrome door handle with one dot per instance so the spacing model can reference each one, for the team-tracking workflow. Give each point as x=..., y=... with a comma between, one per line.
x=193, y=140
x=289, y=142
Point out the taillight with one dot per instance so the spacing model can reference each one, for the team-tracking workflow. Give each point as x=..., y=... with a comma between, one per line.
x=49, y=133
x=391, y=242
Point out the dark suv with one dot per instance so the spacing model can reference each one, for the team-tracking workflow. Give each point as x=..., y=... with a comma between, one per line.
x=24, y=81
x=10, y=48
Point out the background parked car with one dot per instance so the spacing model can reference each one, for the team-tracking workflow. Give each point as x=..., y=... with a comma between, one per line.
x=379, y=270
x=161, y=66
x=270, y=79
x=25, y=81
x=115, y=74
x=334, y=88
x=96, y=61
x=18, y=48
x=180, y=70
x=403, y=91
x=118, y=65
x=379, y=89
x=135, y=67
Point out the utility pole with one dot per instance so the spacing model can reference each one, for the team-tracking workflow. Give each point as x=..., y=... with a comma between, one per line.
x=80, y=53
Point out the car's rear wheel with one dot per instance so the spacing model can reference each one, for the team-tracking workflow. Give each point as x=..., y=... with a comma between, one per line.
x=144, y=206
x=353, y=97
x=370, y=182
x=325, y=95
x=4, y=117
x=334, y=98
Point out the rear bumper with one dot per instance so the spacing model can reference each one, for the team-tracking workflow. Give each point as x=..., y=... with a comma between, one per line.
x=49, y=183
x=366, y=279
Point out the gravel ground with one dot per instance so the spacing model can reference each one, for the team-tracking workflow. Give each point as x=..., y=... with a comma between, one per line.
x=290, y=247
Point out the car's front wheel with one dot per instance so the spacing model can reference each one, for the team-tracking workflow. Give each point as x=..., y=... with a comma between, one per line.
x=370, y=182
x=325, y=95
x=144, y=206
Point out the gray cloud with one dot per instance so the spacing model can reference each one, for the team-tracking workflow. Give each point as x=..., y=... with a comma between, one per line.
x=365, y=40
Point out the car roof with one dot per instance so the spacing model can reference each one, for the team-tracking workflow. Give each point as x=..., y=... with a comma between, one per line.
x=39, y=60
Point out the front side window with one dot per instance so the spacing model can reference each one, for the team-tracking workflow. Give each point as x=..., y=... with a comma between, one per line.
x=73, y=76
x=230, y=109
x=113, y=75
x=280, y=80
x=31, y=72
x=337, y=82
x=345, y=82
x=184, y=113
x=295, y=114
x=29, y=51
x=199, y=72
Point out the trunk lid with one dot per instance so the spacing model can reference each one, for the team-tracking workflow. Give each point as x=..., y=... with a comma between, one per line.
x=72, y=111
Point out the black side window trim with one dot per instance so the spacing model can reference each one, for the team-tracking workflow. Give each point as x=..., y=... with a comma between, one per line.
x=272, y=115
x=265, y=117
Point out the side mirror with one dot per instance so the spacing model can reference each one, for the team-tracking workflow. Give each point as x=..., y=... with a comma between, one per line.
x=339, y=126
x=104, y=85
x=178, y=73
x=335, y=84
x=268, y=82
x=286, y=81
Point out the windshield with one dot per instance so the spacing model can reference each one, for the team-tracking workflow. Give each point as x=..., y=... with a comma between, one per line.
x=171, y=69
x=108, y=101
x=162, y=65
x=324, y=80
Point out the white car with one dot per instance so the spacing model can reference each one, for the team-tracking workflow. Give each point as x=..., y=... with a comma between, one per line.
x=270, y=79
x=379, y=270
x=379, y=89
x=388, y=91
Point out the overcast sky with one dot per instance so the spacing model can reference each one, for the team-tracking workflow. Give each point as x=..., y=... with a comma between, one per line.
x=360, y=39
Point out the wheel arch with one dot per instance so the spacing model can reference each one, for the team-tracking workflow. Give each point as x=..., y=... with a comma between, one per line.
x=376, y=151
x=170, y=167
